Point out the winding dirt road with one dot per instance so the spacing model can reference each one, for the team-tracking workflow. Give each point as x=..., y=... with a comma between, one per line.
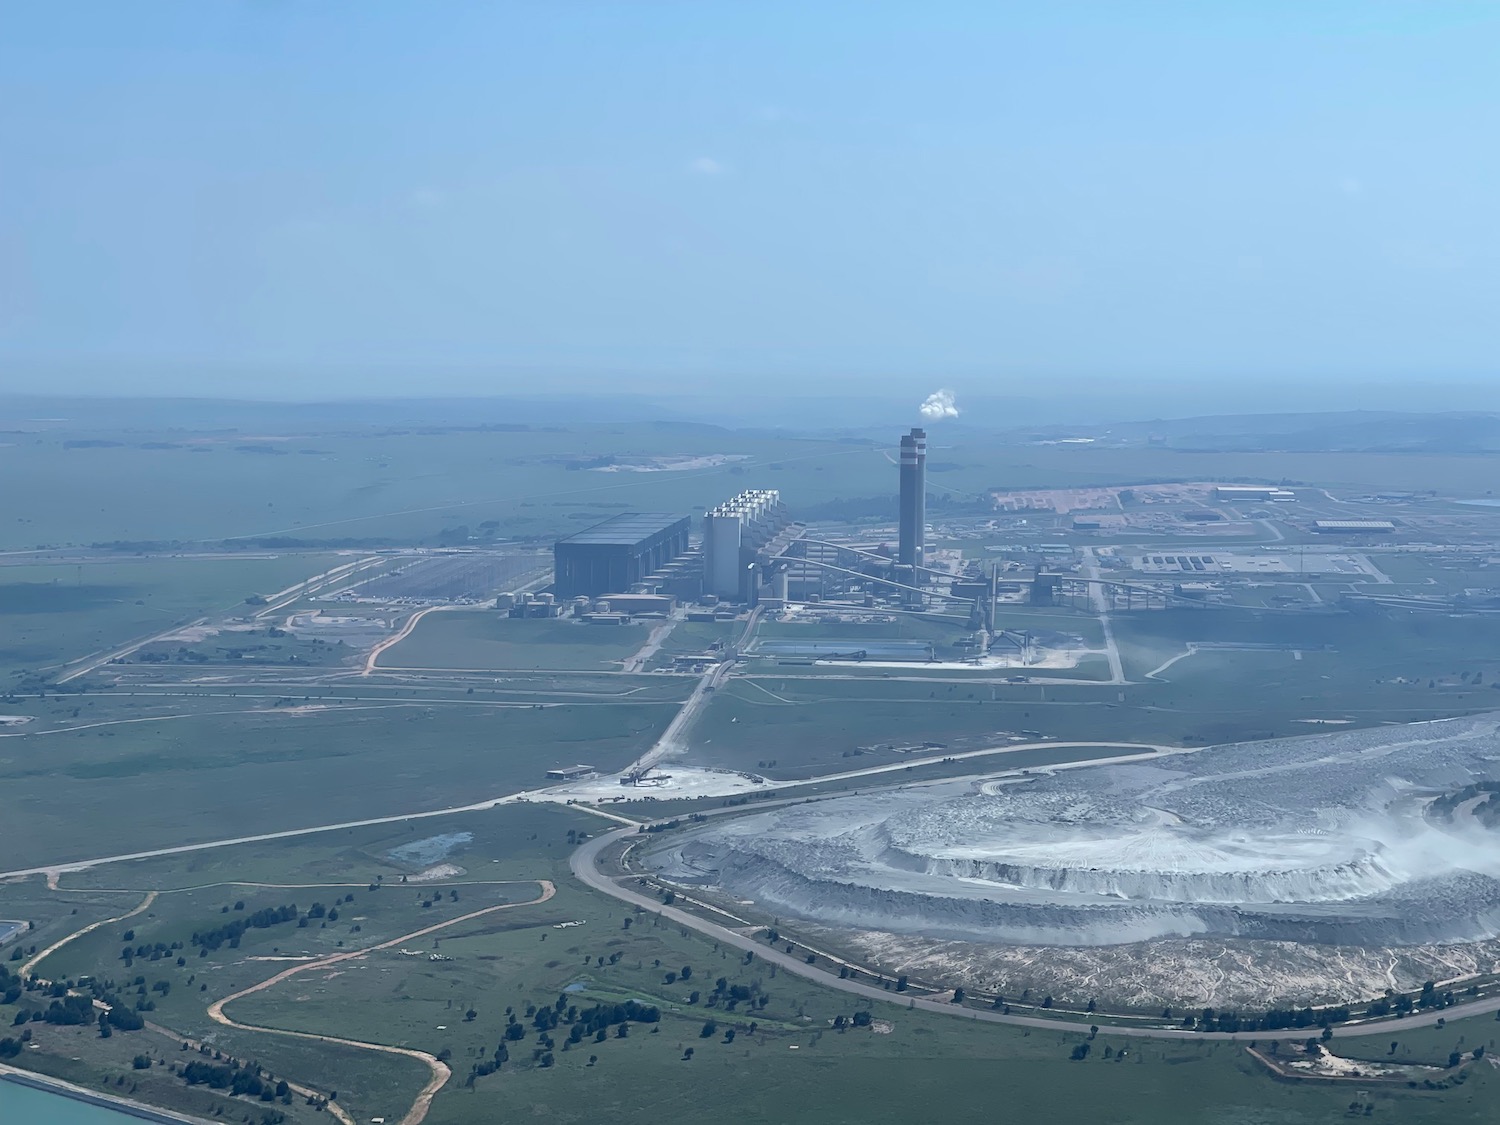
x=585, y=866
x=440, y=1071
x=28, y=967
x=395, y=639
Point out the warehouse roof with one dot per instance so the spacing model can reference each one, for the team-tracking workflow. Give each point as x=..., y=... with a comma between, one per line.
x=626, y=529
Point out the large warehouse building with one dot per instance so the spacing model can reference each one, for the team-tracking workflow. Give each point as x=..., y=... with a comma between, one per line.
x=732, y=534
x=611, y=557
x=1353, y=527
x=1251, y=492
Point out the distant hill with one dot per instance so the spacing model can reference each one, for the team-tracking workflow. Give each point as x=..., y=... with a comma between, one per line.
x=1351, y=432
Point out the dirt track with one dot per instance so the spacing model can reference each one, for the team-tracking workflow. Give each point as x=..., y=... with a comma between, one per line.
x=440, y=1071
x=28, y=967
x=397, y=638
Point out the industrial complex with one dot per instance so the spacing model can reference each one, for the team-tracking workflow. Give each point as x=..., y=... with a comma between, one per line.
x=749, y=551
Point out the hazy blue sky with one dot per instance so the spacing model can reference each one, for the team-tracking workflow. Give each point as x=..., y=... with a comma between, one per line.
x=322, y=198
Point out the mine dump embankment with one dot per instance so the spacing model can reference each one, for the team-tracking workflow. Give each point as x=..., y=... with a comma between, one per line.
x=1322, y=840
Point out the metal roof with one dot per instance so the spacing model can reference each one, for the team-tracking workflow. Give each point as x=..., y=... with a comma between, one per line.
x=625, y=530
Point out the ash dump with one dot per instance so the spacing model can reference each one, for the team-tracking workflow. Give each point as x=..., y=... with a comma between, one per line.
x=1336, y=839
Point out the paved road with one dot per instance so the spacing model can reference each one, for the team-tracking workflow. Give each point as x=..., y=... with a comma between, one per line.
x=1102, y=597
x=710, y=682
x=53, y=869
x=585, y=867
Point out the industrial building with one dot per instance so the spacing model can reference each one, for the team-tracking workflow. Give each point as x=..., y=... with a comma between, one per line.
x=1245, y=492
x=618, y=554
x=1354, y=527
x=733, y=534
x=913, y=529
x=637, y=605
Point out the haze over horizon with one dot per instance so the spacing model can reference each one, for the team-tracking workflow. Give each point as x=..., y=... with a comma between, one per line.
x=286, y=201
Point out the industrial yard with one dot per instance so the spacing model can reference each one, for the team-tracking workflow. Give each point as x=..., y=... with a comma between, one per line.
x=1054, y=694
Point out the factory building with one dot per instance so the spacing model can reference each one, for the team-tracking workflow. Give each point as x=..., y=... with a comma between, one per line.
x=619, y=553
x=733, y=535
x=1353, y=527
x=913, y=530
x=1248, y=492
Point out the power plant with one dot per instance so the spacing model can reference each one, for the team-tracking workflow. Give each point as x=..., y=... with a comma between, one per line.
x=751, y=549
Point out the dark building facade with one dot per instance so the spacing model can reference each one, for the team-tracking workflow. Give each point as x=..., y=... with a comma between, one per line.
x=913, y=534
x=610, y=557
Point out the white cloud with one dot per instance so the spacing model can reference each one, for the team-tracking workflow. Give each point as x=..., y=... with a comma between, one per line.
x=705, y=166
x=938, y=405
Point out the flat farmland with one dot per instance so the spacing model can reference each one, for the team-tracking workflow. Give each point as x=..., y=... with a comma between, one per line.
x=50, y=614
x=486, y=640
x=749, y=724
x=159, y=782
x=1377, y=646
x=810, y=725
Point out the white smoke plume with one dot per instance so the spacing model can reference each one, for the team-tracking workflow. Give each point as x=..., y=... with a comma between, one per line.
x=938, y=405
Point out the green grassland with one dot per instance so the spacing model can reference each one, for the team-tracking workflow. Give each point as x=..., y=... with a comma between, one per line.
x=749, y=724
x=1379, y=671
x=793, y=1067
x=1375, y=646
x=78, y=1055
x=1427, y=1046
x=134, y=786
x=411, y=485
x=55, y=613
x=354, y=873
x=53, y=916
x=174, y=688
x=492, y=641
x=693, y=638
x=267, y=646
x=394, y=485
